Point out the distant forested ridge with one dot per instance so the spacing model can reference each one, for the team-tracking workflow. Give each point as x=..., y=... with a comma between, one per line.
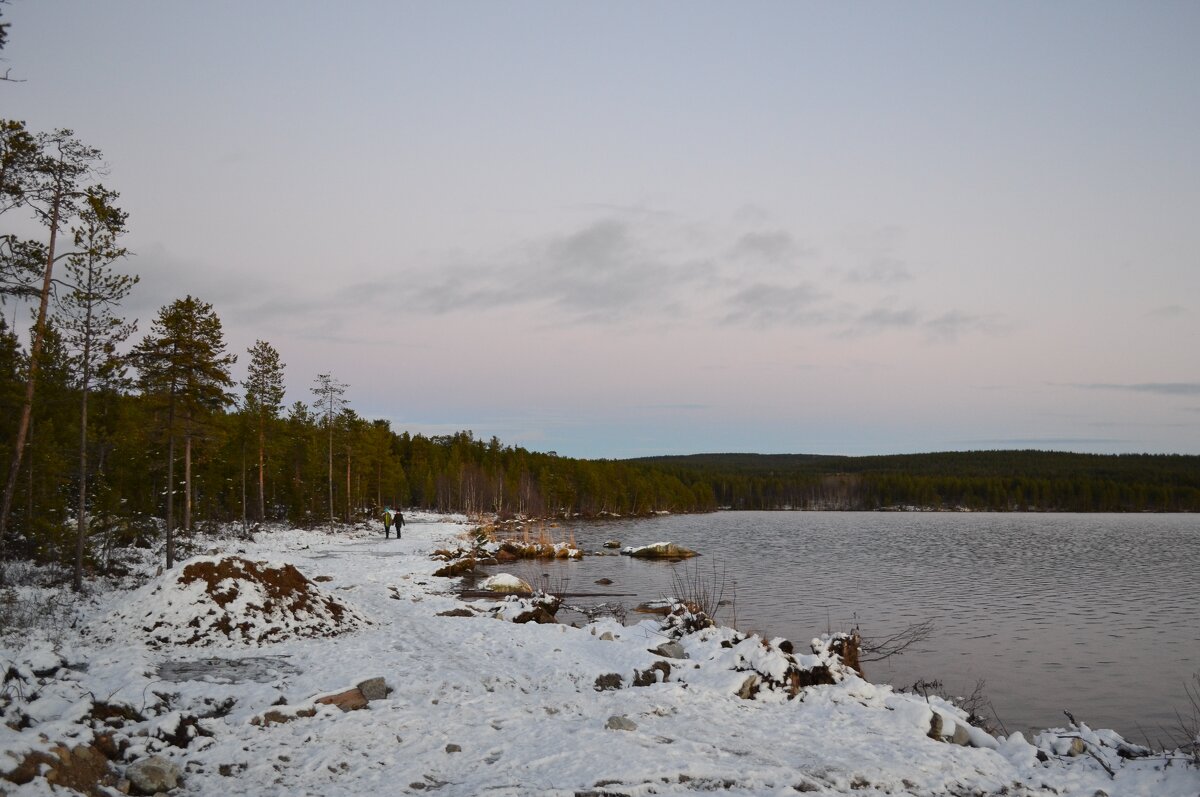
x=1000, y=481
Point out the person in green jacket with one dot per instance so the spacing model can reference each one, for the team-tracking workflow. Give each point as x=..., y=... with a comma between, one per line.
x=387, y=523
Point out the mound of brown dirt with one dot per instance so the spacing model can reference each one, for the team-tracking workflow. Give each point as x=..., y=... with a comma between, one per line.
x=222, y=600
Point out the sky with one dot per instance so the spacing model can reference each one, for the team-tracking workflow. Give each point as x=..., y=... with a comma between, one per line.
x=624, y=229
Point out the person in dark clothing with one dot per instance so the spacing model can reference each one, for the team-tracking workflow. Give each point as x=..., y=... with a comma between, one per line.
x=399, y=522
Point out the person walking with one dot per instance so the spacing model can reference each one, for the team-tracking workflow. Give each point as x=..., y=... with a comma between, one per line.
x=399, y=522
x=387, y=523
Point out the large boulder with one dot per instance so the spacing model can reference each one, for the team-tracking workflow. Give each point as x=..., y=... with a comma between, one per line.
x=506, y=582
x=660, y=550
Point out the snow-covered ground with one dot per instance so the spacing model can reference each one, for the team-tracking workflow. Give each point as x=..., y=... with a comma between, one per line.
x=482, y=706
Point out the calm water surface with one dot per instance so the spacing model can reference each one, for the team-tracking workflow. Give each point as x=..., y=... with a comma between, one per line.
x=1095, y=614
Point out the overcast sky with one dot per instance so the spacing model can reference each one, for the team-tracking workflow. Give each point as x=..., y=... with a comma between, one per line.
x=623, y=228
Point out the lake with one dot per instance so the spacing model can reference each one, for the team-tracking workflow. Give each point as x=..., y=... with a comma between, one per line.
x=1095, y=614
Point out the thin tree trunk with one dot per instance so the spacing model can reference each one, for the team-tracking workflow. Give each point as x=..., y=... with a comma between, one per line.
x=35, y=355
x=187, y=480
x=171, y=490
x=348, y=485
x=244, y=527
x=331, y=470
x=262, y=501
x=81, y=506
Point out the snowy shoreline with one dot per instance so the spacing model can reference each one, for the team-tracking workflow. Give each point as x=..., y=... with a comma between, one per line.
x=482, y=706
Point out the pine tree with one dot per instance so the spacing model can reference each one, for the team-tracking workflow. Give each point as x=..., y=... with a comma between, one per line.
x=184, y=366
x=89, y=325
x=54, y=187
x=329, y=405
x=263, y=401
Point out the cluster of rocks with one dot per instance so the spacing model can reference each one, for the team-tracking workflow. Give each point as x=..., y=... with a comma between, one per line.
x=537, y=607
x=113, y=756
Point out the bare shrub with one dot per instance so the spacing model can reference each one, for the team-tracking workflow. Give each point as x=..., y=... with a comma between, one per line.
x=1187, y=732
x=880, y=648
x=701, y=591
x=974, y=704
x=35, y=598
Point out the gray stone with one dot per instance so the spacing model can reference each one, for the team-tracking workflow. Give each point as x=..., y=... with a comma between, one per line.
x=670, y=650
x=607, y=636
x=453, y=748
x=620, y=724
x=373, y=689
x=935, y=726
x=612, y=544
x=1078, y=747
x=152, y=775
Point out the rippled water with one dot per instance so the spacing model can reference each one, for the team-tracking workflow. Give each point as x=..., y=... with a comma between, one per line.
x=1095, y=614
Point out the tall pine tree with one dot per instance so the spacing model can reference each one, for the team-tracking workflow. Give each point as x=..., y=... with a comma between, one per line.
x=90, y=327
x=264, y=398
x=183, y=365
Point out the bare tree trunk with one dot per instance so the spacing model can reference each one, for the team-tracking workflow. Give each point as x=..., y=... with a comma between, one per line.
x=171, y=493
x=187, y=481
x=348, y=485
x=331, y=518
x=35, y=355
x=244, y=526
x=262, y=501
x=81, y=505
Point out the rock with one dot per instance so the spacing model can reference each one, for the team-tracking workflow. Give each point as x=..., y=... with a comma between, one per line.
x=847, y=648
x=278, y=716
x=935, y=727
x=654, y=607
x=608, y=682
x=616, y=723
x=670, y=650
x=650, y=677
x=1078, y=747
x=506, y=582
x=962, y=736
x=373, y=689
x=152, y=775
x=603, y=581
x=453, y=748
x=456, y=569
x=350, y=700
x=749, y=688
x=83, y=769
x=607, y=636
x=612, y=544
x=660, y=550
x=459, y=612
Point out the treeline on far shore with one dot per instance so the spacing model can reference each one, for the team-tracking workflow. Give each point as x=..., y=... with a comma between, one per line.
x=995, y=481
